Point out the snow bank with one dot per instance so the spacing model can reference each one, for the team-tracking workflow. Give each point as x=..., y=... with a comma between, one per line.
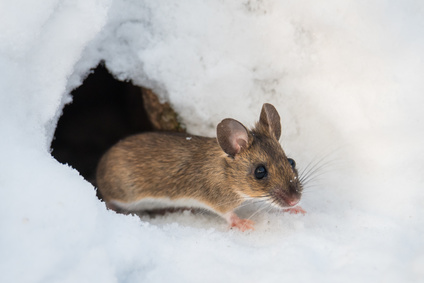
x=346, y=78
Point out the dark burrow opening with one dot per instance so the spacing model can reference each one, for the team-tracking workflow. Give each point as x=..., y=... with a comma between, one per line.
x=103, y=111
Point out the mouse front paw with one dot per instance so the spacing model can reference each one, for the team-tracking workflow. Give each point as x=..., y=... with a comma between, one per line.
x=241, y=224
x=295, y=210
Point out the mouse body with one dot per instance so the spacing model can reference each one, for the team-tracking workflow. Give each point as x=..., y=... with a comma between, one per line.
x=158, y=170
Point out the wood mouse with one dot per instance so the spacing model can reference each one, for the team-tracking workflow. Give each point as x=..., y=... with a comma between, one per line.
x=158, y=170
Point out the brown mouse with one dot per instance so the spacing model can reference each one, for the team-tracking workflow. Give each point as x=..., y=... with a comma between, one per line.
x=152, y=171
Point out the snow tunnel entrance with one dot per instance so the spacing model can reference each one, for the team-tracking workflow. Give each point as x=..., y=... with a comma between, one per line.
x=103, y=111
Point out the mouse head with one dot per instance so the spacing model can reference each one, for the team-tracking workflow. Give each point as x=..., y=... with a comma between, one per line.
x=256, y=165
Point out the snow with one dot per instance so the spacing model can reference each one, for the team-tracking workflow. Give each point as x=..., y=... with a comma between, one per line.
x=346, y=78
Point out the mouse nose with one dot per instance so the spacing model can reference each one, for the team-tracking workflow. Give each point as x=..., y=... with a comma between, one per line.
x=292, y=202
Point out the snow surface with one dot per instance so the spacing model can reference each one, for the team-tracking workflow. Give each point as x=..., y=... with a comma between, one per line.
x=346, y=77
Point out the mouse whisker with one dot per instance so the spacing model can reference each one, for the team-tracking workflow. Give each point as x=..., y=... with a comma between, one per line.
x=310, y=168
x=232, y=201
x=310, y=187
x=253, y=202
x=310, y=192
x=302, y=172
x=264, y=205
x=312, y=164
x=313, y=177
x=264, y=196
x=310, y=182
x=247, y=200
x=269, y=209
x=313, y=170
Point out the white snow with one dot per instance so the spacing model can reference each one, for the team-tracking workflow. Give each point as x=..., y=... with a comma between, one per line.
x=346, y=77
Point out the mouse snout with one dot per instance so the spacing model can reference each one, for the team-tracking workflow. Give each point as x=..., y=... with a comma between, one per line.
x=291, y=199
x=285, y=198
x=292, y=202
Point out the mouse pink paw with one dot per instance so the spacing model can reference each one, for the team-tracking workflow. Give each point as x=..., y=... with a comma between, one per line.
x=241, y=224
x=295, y=210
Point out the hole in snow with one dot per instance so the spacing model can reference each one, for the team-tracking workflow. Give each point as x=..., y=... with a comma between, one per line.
x=103, y=111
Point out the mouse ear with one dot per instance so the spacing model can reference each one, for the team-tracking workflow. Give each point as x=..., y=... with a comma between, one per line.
x=232, y=136
x=270, y=120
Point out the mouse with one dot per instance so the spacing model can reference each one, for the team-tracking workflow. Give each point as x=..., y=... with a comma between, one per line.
x=159, y=170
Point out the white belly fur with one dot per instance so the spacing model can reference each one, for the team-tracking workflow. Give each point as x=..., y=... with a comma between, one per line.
x=160, y=203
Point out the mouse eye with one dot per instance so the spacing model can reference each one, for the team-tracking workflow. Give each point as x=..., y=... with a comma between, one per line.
x=292, y=162
x=260, y=172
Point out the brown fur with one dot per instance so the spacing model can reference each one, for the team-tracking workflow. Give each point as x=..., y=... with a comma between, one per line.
x=175, y=165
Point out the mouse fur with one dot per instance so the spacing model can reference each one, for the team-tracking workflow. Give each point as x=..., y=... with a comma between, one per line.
x=158, y=170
